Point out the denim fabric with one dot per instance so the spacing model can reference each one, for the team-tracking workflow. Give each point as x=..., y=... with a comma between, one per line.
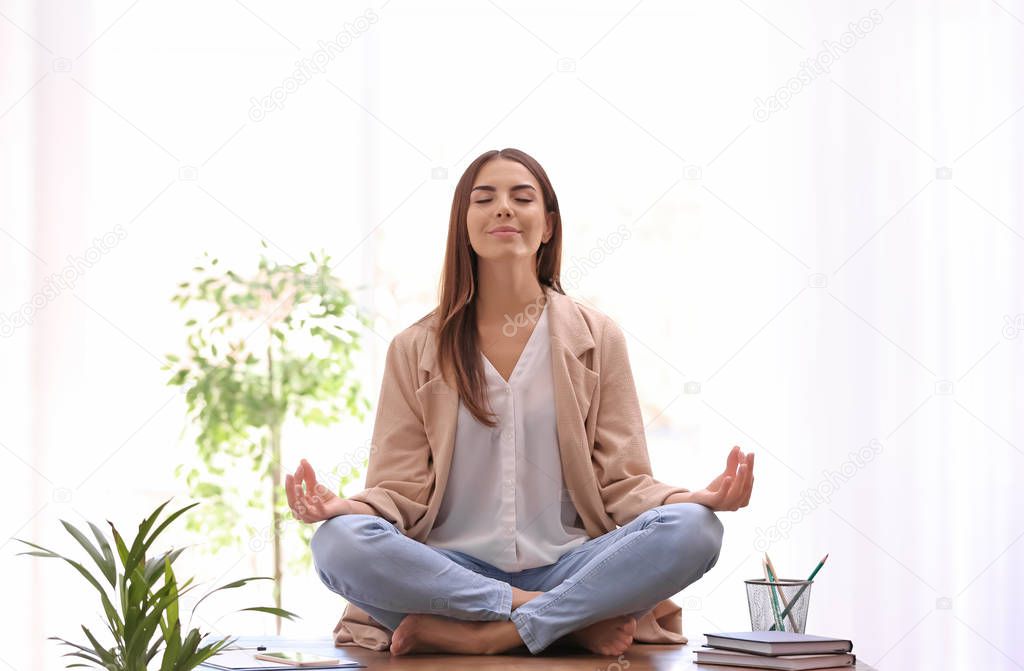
x=369, y=562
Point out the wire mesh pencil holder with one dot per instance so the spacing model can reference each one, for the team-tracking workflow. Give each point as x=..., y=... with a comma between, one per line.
x=779, y=605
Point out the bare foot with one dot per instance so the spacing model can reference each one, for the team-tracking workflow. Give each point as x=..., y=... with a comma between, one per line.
x=607, y=637
x=433, y=633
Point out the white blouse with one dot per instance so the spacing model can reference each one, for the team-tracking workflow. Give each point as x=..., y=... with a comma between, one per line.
x=506, y=502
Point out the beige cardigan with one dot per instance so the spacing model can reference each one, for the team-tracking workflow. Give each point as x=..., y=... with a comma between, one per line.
x=600, y=438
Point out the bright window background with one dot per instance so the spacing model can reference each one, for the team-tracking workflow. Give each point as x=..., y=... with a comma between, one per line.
x=842, y=277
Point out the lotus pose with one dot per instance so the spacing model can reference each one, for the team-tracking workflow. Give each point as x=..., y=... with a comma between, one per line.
x=509, y=496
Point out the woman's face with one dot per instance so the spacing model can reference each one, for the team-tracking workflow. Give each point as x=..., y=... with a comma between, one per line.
x=506, y=195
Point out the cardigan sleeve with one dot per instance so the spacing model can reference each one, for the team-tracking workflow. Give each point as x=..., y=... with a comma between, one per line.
x=398, y=475
x=621, y=462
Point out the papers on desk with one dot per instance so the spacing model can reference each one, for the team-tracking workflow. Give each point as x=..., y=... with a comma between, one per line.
x=245, y=660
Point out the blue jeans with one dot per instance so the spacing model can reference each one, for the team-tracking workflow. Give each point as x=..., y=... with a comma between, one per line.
x=369, y=562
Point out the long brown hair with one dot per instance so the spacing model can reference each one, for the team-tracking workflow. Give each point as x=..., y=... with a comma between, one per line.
x=457, y=346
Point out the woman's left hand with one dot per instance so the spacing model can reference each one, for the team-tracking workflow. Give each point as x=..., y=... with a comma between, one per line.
x=731, y=489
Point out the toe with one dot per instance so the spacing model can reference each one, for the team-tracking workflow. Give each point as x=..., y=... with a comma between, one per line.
x=400, y=638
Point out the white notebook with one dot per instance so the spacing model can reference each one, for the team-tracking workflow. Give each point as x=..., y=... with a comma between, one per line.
x=244, y=660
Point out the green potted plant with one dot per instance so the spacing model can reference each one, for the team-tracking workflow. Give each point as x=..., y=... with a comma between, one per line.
x=140, y=601
x=263, y=347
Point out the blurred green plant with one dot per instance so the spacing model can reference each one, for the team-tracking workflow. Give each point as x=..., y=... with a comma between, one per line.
x=263, y=348
x=147, y=593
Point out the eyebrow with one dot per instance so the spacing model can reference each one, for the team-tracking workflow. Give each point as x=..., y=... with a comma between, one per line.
x=488, y=187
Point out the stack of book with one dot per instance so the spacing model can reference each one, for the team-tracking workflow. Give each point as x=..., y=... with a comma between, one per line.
x=735, y=651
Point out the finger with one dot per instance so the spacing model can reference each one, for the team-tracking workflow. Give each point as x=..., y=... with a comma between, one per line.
x=301, y=500
x=750, y=483
x=313, y=489
x=297, y=482
x=733, y=459
x=310, y=477
x=735, y=493
x=295, y=491
x=288, y=490
x=722, y=495
x=743, y=491
x=750, y=488
x=730, y=467
x=741, y=458
x=299, y=475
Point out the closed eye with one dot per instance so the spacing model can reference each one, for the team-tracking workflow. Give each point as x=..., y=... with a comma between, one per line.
x=521, y=200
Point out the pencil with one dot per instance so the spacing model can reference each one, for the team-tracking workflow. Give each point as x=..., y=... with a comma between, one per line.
x=775, y=603
x=782, y=595
x=802, y=588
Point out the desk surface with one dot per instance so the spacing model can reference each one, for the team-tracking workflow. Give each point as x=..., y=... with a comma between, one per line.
x=641, y=657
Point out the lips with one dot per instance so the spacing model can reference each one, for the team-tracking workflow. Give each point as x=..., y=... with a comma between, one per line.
x=504, y=229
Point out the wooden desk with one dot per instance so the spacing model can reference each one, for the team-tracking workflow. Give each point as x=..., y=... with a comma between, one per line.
x=641, y=657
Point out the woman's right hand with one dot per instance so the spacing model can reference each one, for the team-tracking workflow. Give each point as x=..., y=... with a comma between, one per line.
x=314, y=503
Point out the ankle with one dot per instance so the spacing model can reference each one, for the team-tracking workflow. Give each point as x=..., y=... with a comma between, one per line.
x=499, y=637
x=520, y=597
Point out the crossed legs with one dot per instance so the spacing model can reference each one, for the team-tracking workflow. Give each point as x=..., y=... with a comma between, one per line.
x=459, y=604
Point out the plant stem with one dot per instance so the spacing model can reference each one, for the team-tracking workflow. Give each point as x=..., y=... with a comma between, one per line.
x=275, y=477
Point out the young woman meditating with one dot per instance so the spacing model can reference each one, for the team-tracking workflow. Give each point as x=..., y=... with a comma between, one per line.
x=509, y=497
